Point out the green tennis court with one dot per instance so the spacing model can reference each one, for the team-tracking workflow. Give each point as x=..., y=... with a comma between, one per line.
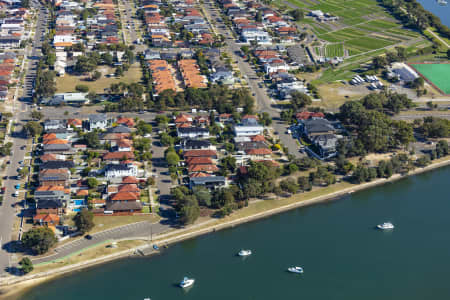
x=438, y=74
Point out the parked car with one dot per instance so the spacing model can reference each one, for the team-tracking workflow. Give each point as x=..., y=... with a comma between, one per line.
x=17, y=186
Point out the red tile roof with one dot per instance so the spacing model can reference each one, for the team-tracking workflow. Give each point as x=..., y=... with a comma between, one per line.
x=118, y=155
x=304, y=115
x=200, y=153
x=124, y=196
x=259, y=151
x=130, y=179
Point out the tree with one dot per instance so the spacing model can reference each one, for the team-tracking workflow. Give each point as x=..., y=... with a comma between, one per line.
x=92, y=140
x=143, y=128
x=39, y=240
x=297, y=14
x=45, y=84
x=203, y=196
x=172, y=158
x=96, y=75
x=166, y=139
x=36, y=115
x=299, y=100
x=85, y=64
x=92, y=182
x=33, y=128
x=82, y=88
x=84, y=220
x=26, y=265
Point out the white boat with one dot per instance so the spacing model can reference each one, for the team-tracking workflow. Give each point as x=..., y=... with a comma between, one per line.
x=385, y=226
x=442, y=2
x=298, y=270
x=187, y=282
x=245, y=252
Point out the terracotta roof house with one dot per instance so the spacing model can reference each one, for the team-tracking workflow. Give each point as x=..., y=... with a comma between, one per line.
x=124, y=196
x=199, y=161
x=125, y=121
x=258, y=138
x=305, y=115
x=259, y=151
x=46, y=219
x=200, y=153
x=123, y=155
x=133, y=188
x=203, y=168
x=130, y=180
x=48, y=157
x=77, y=123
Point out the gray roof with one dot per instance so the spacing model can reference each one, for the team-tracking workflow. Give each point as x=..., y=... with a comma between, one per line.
x=187, y=130
x=97, y=118
x=318, y=125
x=57, y=164
x=48, y=203
x=119, y=129
x=326, y=141
x=116, y=167
x=242, y=146
x=205, y=180
x=119, y=205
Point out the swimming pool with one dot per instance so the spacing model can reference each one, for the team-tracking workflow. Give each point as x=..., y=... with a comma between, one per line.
x=79, y=202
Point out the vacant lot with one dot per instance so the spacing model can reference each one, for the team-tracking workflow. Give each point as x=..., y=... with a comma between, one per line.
x=68, y=83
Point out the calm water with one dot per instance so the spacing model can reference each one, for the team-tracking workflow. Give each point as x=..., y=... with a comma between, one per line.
x=344, y=257
x=443, y=12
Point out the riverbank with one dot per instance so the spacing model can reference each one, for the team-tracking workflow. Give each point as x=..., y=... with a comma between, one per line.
x=13, y=287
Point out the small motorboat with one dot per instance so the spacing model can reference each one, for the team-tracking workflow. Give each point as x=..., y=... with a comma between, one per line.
x=298, y=270
x=245, y=252
x=187, y=282
x=385, y=226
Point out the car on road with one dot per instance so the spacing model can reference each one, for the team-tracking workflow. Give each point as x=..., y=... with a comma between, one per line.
x=17, y=186
x=23, y=147
x=21, y=162
x=88, y=237
x=16, y=194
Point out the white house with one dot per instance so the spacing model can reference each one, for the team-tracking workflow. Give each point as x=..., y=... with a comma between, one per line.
x=193, y=132
x=120, y=170
x=255, y=34
x=246, y=130
x=98, y=121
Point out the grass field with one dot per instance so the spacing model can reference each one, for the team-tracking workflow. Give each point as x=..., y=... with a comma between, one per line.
x=334, y=50
x=68, y=83
x=438, y=74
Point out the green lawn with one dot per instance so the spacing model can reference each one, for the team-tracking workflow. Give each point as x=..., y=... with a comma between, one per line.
x=67, y=83
x=334, y=50
x=438, y=74
x=366, y=43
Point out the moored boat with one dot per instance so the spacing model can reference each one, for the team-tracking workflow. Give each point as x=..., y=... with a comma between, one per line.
x=187, y=282
x=245, y=252
x=385, y=226
x=298, y=270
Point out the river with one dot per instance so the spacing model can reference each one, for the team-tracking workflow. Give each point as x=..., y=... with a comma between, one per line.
x=443, y=12
x=344, y=257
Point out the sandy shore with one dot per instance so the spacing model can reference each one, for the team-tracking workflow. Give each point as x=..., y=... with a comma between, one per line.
x=12, y=287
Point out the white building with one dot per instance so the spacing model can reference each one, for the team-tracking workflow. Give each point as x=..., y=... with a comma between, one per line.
x=120, y=170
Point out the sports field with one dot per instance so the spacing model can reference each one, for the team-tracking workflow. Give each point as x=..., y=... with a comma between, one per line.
x=437, y=74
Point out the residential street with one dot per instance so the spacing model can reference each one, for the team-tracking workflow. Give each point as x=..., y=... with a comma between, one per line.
x=8, y=209
x=263, y=102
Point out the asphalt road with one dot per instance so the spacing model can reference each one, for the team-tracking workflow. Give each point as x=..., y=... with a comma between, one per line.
x=141, y=229
x=9, y=210
x=264, y=103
